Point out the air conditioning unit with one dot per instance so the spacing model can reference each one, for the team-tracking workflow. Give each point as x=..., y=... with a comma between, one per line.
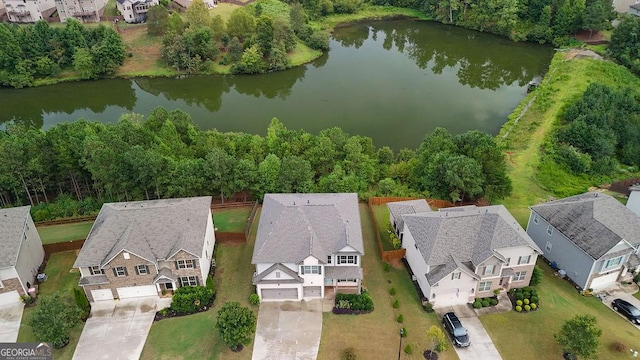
x=414, y=278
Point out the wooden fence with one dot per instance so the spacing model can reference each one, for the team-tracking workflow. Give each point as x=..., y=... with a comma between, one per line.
x=247, y=230
x=622, y=187
x=62, y=246
x=72, y=220
x=232, y=205
x=230, y=237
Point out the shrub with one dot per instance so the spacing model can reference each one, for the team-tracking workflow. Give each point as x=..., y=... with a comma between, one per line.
x=485, y=303
x=319, y=40
x=534, y=306
x=518, y=308
x=407, y=349
x=618, y=347
x=496, y=292
x=53, y=319
x=519, y=302
x=343, y=304
x=392, y=291
x=235, y=324
x=254, y=299
x=637, y=278
x=361, y=302
x=210, y=285
x=396, y=304
x=493, y=302
x=536, y=276
x=526, y=301
x=438, y=340
x=189, y=299
x=400, y=319
x=527, y=307
x=81, y=300
x=404, y=332
x=519, y=296
x=28, y=300
x=477, y=304
x=387, y=267
x=534, y=299
x=428, y=307
x=348, y=354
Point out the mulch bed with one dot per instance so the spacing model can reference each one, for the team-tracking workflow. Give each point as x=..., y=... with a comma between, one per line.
x=172, y=313
x=430, y=355
x=338, y=311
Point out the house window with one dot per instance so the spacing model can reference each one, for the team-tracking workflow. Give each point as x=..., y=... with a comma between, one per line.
x=142, y=269
x=120, y=271
x=95, y=270
x=348, y=259
x=329, y=259
x=278, y=274
x=488, y=270
x=520, y=276
x=524, y=259
x=311, y=269
x=189, y=281
x=455, y=276
x=549, y=230
x=535, y=218
x=484, y=286
x=612, y=263
x=185, y=264
x=548, y=246
x=347, y=280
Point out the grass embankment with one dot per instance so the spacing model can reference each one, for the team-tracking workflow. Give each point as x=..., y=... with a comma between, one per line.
x=376, y=335
x=65, y=232
x=231, y=220
x=195, y=336
x=368, y=12
x=535, y=180
x=530, y=336
x=61, y=278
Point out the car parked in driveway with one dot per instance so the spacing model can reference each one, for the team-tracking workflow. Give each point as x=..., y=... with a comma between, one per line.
x=627, y=309
x=454, y=327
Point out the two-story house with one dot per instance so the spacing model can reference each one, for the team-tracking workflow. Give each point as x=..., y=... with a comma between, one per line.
x=399, y=208
x=308, y=246
x=81, y=10
x=135, y=11
x=591, y=237
x=147, y=248
x=21, y=253
x=28, y=11
x=459, y=254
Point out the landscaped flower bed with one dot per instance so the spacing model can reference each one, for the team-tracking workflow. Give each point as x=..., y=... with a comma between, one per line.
x=485, y=302
x=524, y=299
x=188, y=300
x=353, y=303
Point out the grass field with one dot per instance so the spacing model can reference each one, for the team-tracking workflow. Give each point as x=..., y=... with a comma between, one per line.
x=60, y=278
x=530, y=336
x=381, y=213
x=195, y=336
x=65, y=232
x=231, y=220
x=376, y=335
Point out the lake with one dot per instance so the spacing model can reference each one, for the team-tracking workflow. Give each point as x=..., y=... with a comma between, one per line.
x=392, y=80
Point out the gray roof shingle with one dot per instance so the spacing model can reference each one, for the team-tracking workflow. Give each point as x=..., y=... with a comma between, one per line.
x=399, y=208
x=595, y=222
x=295, y=226
x=12, y=226
x=470, y=235
x=343, y=272
x=154, y=230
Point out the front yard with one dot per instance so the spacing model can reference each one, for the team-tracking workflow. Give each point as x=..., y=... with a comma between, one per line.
x=376, y=335
x=61, y=277
x=530, y=336
x=65, y=232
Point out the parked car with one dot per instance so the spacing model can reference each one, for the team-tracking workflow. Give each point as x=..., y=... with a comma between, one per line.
x=627, y=309
x=455, y=329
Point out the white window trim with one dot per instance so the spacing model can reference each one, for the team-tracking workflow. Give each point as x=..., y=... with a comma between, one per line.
x=185, y=264
x=482, y=288
x=536, y=219
x=142, y=269
x=549, y=230
x=94, y=271
x=348, y=259
x=311, y=270
x=548, y=246
x=456, y=275
x=617, y=260
x=347, y=280
x=118, y=273
x=520, y=276
x=486, y=269
x=521, y=260
x=188, y=281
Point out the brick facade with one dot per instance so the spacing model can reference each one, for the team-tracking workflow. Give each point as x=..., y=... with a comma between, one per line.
x=10, y=285
x=183, y=255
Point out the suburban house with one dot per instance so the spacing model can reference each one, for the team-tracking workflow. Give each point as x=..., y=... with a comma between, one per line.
x=135, y=11
x=633, y=203
x=634, y=9
x=81, y=10
x=459, y=254
x=21, y=253
x=591, y=237
x=147, y=248
x=399, y=208
x=186, y=3
x=308, y=246
x=28, y=11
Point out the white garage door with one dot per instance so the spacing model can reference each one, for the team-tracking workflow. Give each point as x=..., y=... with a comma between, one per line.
x=280, y=294
x=102, y=294
x=604, y=281
x=311, y=291
x=137, y=291
x=10, y=297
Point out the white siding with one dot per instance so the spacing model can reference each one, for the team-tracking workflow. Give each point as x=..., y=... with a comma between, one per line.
x=416, y=262
x=31, y=256
x=207, y=248
x=313, y=279
x=453, y=292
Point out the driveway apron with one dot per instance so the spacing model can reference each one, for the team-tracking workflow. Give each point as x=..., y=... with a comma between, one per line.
x=10, y=319
x=481, y=347
x=117, y=329
x=288, y=330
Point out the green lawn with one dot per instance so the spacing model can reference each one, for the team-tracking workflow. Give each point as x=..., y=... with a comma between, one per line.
x=61, y=277
x=376, y=335
x=381, y=213
x=65, y=232
x=231, y=220
x=530, y=336
x=224, y=10
x=195, y=336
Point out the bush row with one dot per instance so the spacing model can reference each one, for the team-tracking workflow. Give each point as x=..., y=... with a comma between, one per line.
x=485, y=302
x=525, y=299
x=353, y=303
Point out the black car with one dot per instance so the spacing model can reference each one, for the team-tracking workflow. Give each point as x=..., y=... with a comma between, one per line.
x=627, y=309
x=454, y=327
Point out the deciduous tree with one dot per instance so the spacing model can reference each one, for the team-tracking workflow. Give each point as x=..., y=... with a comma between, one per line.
x=580, y=336
x=235, y=325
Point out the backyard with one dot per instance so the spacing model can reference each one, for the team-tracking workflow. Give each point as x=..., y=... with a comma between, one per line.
x=65, y=232
x=381, y=212
x=231, y=220
x=61, y=277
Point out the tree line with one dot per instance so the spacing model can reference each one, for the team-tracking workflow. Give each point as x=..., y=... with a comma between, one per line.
x=32, y=52
x=164, y=155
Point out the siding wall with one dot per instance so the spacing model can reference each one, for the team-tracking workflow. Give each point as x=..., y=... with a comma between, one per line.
x=31, y=255
x=416, y=262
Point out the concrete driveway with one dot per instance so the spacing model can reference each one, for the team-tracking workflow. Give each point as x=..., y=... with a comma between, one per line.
x=618, y=293
x=117, y=329
x=481, y=347
x=10, y=319
x=288, y=330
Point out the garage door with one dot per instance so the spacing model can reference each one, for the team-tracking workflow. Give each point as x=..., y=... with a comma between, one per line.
x=10, y=297
x=280, y=294
x=604, y=281
x=137, y=291
x=103, y=294
x=311, y=291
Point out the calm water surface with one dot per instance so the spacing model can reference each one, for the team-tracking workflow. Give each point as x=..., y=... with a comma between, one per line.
x=391, y=80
